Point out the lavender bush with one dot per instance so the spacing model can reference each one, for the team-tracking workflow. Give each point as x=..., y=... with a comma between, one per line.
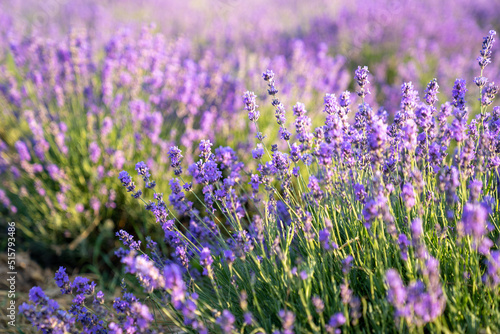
x=77, y=88
x=73, y=119
x=358, y=225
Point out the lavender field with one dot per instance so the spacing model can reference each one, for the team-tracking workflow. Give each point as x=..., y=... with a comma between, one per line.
x=233, y=166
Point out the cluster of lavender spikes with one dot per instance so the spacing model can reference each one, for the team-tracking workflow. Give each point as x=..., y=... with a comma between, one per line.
x=137, y=80
x=105, y=106
x=349, y=221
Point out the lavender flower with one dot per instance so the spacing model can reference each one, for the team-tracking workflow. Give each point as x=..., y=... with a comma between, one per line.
x=249, y=99
x=143, y=170
x=480, y=81
x=174, y=153
x=492, y=275
x=431, y=92
x=22, y=150
x=280, y=161
x=128, y=240
x=268, y=75
x=229, y=256
x=295, y=154
x=361, y=76
x=254, y=182
x=142, y=315
x=377, y=138
x=360, y=193
x=248, y=318
x=174, y=282
x=324, y=239
x=318, y=303
x=409, y=98
x=94, y=152
x=416, y=229
x=36, y=295
x=489, y=93
x=485, y=52
x=408, y=195
x=423, y=117
x=396, y=293
x=145, y=270
x=62, y=280
x=226, y=322
x=280, y=114
x=410, y=135
x=347, y=264
x=299, y=109
x=182, y=256
x=345, y=99
x=459, y=90
x=403, y=245
x=287, y=320
x=258, y=152
x=205, y=149
x=475, y=187
x=331, y=104
x=81, y=285
x=206, y=261
x=336, y=321
x=474, y=223
x=47, y=316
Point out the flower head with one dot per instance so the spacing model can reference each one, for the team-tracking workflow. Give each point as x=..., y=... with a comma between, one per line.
x=431, y=92
x=361, y=76
x=62, y=280
x=459, y=90
x=174, y=153
x=206, y=260
x=486, y=48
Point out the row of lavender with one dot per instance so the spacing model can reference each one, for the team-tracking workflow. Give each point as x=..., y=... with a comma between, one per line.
x=399, y=40
x=367, y=225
